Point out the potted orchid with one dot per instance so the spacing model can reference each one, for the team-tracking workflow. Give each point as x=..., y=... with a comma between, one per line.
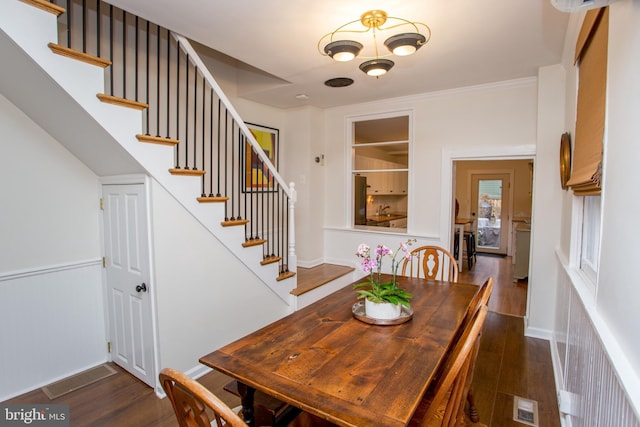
x=382, y=300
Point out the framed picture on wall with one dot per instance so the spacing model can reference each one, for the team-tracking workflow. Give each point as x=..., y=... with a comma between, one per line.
x=256, y=173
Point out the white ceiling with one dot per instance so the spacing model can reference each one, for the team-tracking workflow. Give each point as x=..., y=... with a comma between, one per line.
x=473, y=42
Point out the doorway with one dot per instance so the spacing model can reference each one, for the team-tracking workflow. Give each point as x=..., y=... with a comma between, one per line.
x=458, y=167
x=127, y=264
x=514, y=208
x=491, y=208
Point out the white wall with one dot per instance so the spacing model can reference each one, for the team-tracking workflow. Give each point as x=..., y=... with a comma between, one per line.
x=601, y=326
x=305, y=133
x=205, y=296
x=51, y=294
x=618, y=292
x=547, y=199
x=494, y=117
x=500, y=115
x=50, y=204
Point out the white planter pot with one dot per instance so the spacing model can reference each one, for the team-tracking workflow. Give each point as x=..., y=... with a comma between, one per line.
x=382, y=310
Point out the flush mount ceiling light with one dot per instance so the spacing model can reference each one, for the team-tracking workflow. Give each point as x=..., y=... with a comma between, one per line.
x=407, y=40
x=343, y=50
x=376, y=67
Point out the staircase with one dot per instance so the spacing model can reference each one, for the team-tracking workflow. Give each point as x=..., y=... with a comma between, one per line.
x=147, y=103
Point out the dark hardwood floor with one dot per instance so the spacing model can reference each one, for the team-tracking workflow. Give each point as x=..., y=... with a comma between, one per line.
x=508, y=365
x=508, y=297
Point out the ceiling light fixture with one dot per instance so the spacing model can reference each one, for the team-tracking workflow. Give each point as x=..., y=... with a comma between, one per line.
x=400, y=44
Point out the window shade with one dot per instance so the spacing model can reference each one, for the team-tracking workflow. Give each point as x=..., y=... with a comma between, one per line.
x=591, y=55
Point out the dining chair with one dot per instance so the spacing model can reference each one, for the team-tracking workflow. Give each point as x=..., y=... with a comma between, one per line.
x=481, y=298
x=431, y=262
x=441, y=404
x=190, y=401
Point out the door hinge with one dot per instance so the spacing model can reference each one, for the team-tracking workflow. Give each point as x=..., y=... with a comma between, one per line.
x=109, y=346
x=104, y=262
x=101, y=203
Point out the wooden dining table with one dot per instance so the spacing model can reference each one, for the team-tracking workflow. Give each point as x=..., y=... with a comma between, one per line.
x=325, y=361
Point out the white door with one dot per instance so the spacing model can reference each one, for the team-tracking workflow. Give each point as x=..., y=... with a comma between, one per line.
x=128, y=286
x=492, y=211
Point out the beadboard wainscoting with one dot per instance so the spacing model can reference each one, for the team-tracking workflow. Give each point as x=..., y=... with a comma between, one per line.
x=60, y=313
x=597, y=386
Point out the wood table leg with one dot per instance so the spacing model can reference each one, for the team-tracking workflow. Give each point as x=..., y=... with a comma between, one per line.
x=246, y=397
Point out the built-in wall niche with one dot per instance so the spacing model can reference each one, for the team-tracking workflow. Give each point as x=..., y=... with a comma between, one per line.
x=380, y=149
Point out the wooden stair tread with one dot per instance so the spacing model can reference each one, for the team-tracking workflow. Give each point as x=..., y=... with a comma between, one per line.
x=186, y=172
x=234, y=222
x=157, y=140
x=212, y=199
x=253, y=242
x=314, y=277
x=122, y=102
x=285, y=275
x=270, y=260
x=77, y=55
x=46, y=6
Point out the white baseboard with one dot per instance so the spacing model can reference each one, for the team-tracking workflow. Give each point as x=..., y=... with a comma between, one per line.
x=52, y=380
x=193, y=373
x=558, y=376
x=531, y=332
x=198, y=371
x=311, y=263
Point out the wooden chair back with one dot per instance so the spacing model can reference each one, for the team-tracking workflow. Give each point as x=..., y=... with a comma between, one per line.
x=190, y=401
x=480, y=298
x=486, y=290
x=431, y=262
x=448, y=391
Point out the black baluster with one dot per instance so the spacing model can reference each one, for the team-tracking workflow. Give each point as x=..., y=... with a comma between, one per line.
x=98, y=39
x=178, y=103
x=111, y=37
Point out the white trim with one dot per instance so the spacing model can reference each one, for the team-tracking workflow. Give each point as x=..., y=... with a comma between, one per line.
x=198, y=371
x=124, y=179
x=19, y=274
x=36, y=386
x=311, y=263
x=506, y=84
x=527, y=151
x=565, y=419
x=557, y=365
x=193, y=373
x=375, y=230
x=349, y=159
x=543, y=334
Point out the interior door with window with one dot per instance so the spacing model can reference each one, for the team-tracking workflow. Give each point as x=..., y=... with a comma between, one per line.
x=128, y=286
x=491, y=209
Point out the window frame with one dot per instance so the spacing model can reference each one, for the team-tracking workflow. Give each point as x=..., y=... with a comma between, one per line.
x=352, y=171
x=585, y=242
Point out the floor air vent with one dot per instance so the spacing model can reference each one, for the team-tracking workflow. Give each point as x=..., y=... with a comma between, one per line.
x=77, y=381
x=525, y=411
